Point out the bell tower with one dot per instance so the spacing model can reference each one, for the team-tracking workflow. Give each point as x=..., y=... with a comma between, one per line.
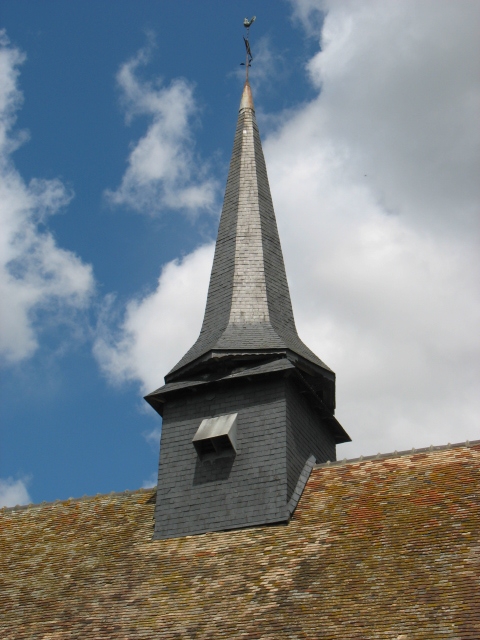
x=249, y=408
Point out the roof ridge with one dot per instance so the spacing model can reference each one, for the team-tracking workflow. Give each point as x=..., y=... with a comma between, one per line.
x=335, y=463
x=44, y=503
x=398, y=454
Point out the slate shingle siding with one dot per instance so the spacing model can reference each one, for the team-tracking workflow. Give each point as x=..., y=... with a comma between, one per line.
x=376, y=550
x=277, y=431
x=306, y=435
x=248, y=318
x=223, y=492
x=248, y=303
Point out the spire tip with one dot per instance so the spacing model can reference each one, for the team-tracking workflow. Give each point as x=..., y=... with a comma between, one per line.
x=247, y=99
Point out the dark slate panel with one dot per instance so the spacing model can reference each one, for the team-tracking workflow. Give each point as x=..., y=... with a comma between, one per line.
x=281, y=364
x=194, y=495
x=307, y=434
x=260, y=335
x=302, y=481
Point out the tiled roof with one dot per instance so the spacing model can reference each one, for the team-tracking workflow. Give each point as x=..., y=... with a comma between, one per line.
x=385, y=548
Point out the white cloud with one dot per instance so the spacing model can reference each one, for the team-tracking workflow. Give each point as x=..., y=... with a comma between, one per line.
x=151, y=481
x=153, y=437
x=162, y=171
x=400, y=98
x=375, y=192
x=269, y=66
x=157, y=329
x=34, y=272
x=14, y=492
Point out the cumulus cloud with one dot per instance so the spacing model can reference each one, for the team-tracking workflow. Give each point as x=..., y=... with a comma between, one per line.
x=399, y=96
x=269, y=66
x=153, y=437
x=35, y=273
x=375, y=190
x=162, y=172
x=151, y=481
x=157, y=328
x=14, y=492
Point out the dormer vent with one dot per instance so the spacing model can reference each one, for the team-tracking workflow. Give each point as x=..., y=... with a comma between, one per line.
x=216, y=435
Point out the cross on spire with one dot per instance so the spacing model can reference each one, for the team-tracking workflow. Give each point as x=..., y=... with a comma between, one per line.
x=248, y=55
x=248, y=304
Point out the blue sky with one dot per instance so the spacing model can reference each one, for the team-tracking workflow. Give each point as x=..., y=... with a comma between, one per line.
x=125, y=114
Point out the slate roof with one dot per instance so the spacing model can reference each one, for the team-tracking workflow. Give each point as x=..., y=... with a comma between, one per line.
x=383, y=548
x=248, y=305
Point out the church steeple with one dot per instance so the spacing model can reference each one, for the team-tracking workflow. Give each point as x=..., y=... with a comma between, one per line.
x=248, y=304
x=249, y=408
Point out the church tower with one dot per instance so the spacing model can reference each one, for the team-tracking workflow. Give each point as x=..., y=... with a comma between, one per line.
x=249, y=408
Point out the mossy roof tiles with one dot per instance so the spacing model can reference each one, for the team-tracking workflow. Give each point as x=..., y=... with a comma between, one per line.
x=382, y=548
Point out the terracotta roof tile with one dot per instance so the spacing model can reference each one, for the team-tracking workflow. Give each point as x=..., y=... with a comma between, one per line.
x=378, y=548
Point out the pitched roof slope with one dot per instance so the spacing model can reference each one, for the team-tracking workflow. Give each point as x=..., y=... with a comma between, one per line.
x=385, y=548
x=248, y=304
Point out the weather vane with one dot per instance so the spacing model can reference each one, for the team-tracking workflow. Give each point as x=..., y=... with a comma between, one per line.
x=248, y=60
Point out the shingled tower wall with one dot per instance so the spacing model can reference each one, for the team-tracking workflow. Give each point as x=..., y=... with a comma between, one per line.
x=249, y=408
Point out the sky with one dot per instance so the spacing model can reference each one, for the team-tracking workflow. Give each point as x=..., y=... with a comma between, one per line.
x=116, y=128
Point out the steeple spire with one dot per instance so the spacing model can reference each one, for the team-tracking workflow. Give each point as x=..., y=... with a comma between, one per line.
x=248, y=304
x=249, y=408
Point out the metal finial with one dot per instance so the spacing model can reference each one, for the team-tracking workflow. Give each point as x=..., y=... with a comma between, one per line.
x=248, y=59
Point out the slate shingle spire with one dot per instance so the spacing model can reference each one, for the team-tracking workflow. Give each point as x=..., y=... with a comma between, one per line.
x=249, y=408
x=248, y=304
